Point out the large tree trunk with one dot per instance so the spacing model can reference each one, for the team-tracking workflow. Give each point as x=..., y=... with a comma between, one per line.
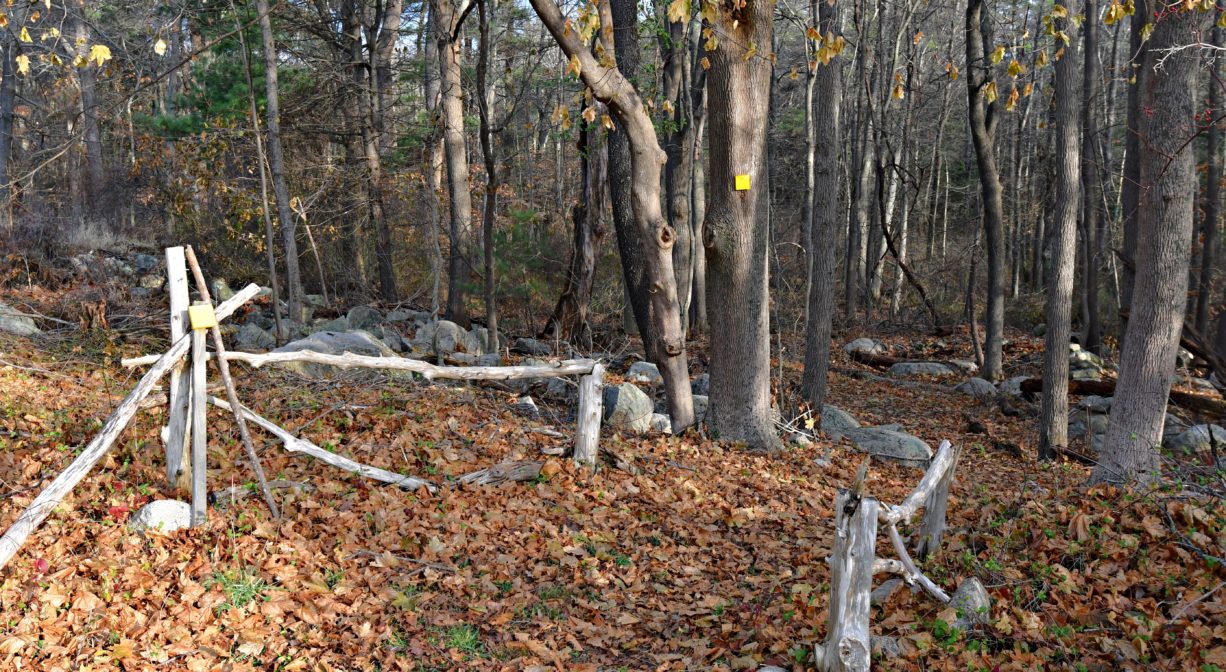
x=95, y=192
x=1164, y=230
x=382, y=33
x=8, y=101
x=1130, y=199
x=455, y=146
x=823, y=240
x=276, y=161
x=1053, y=427
x=486, y=106
x=735, y=234
x=1213, y=191
x=432, y=90
x=1091, y=203
x=658, y=315
x=677, y=147
x=983, y=123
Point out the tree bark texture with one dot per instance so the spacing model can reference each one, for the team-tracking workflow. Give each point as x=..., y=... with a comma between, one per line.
x=456, y=150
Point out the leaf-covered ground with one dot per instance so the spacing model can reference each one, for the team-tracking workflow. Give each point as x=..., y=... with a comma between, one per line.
x=709, y=558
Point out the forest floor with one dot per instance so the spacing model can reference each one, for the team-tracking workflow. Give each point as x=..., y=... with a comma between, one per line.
x=709, y=558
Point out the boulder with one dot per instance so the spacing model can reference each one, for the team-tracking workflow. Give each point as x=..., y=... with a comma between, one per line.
x=145, y=264
x=13, y=322
x=221, y=290
x=407, y=315
x=163, y=515
x=1096, y=404
x=315, y=300
x=1083, y=364
x=644, y=372
x=908, y=369
x=1079, y=423
x=531, y=346
x=152, y=282
x=476, y=341
x=492, y=359
x=891, y=445
x=701, y=404
x=836, y=421
x=561, y=389
x=973, y=604
x=626, y=407
x=251, y=338
x=1197, y=439
x=1013, y=386
x=336, y=343
x=661, y=423
x=1040, y=329
x=701, y=385
x=390, y=337
x=866, y=346
x=526, y=406
x=977, y=387
x=338, y=324
x=964, y=365
x=364, y=317
x=440, y=337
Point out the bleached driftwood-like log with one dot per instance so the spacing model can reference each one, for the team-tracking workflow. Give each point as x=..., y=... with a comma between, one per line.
x=237, y=493
x=178, y=425
x=523, y=470
x=53, y=494
x=888, y=566
x=297, y=445
x=591, y=407
x=913, y=575
x=943, y=461
x=223, y=368
x=569, y=367
x=200, y=486
x=935, y=506
x=848, y=645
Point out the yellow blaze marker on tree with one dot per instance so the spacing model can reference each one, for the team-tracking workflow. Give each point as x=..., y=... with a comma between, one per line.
x=202, y=316
x=742, y=183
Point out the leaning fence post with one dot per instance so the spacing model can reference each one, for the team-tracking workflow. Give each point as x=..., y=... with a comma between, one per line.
x=847, y=646
x=591, y=406
x=178, y=425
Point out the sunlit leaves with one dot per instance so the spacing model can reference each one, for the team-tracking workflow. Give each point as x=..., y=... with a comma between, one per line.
x=1016, y=69
x=1011, y=101
x=100, y=54
x=574, y=67
x=23, y=64
x=159, y=47
x=561, y=116
x=678, y=11
x=998, y=54
x=830, y=45
x=1118, y=11
x=899, y=91
x=989, y=92
x=1146, y=31
x=24, y=35
x=1040, y=61
x=952, y=70
x=1059, y=12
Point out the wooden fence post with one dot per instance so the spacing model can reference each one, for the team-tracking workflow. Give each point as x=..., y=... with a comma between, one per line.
x=848, y=646
x=178, y=425
x=591, y=407
x=200, y=404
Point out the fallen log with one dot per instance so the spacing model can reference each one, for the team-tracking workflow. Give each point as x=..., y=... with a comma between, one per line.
x=877, y=361
x=1106, y=388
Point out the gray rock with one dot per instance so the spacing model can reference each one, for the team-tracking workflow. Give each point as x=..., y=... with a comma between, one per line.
x=14, y=323
x=892, y=445
x=626, y=407
x=1013, y=386
x=907, y=369
x=661, y=423
x=264, y=292
x=531, y=346
x=965, y=365
x=885, y=647
x=150, y=281
x=977, y=387
x=492, y=359
x=113, y=267
x=476, y=341
x=251, y=338
x=463, y=358
x=144, y=264
x=390, y=337
x=973, y=603
x=701, y=404
x=1184, y=358
x=836, y=421
x=526, y=406
x=561, y=389
x=442, y=337
x=143, y=292
x=1096, y=404
x=338, y=324
x=1039, y=329
x=221, y=290
x=336, y=343
x=1095, y=423
x=865, y=346
x=701, y=385
x=163, y=515
x=1085, y=374
x=644, y=372
x=1172, y=425
x=1197, y=439
x=364, y=317
x=315, y=300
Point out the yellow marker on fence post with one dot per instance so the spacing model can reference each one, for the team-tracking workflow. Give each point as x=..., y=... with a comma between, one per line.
x=202, y=316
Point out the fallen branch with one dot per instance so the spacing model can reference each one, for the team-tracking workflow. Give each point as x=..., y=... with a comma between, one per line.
x=523, y=470
x=50, y=498
x=944, y=460
x=236, y=493
x=297, y=445
x=1106, y=388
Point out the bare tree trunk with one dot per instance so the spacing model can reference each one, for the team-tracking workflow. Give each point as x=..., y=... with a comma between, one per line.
x=677, y=147
x=983, y=123
x=1091, y=204
x=735, y=233
x=8, y=102
x=1131, y=196
x=659, y=316
x=95, y=191
x=1164, y=228
x=486, y=106
x=1053, y=427
x=825, y=113
x=447, y=33
x=1213, y=190
x=382, y=33
x=698, y=214
x=433, y=169
x=276, y=161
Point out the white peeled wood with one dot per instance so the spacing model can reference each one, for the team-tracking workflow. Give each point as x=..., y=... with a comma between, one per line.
x=935, y=507
x=944, y=460
x=200, y=490
x=848, y=645
x=591, y=407
x=297, y=445
x=42, y=506
x=178, y=426
x=913, y=575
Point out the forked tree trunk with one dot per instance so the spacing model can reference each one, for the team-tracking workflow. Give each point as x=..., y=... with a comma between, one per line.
x=828, y=100
x=735, y=235
x=1164, y=229
x=661, y=314
x=1053, y=427
x=983, y=124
